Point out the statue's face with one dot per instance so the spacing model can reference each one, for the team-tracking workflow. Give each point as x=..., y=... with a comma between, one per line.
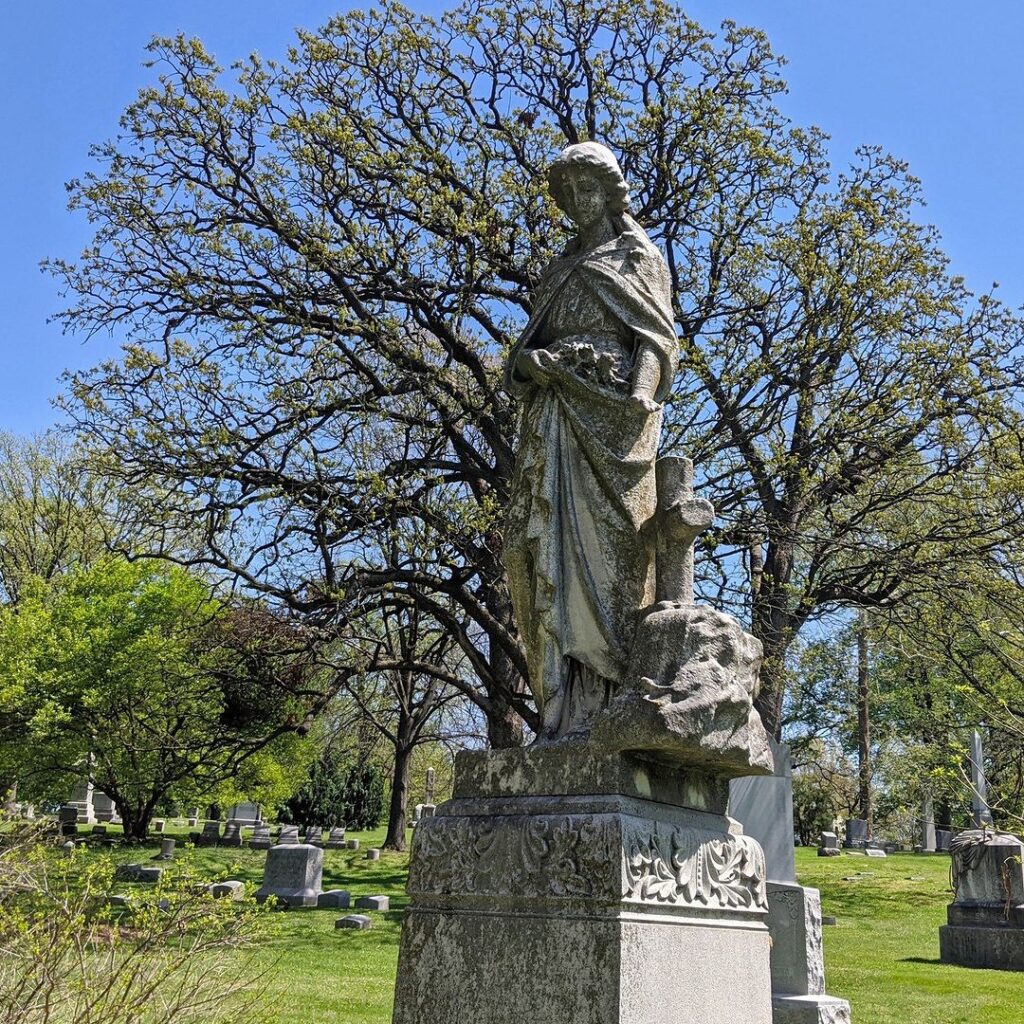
x=585, y=198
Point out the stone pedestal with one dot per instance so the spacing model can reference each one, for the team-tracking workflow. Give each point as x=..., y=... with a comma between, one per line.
x=103, y=808
x=798, y=962
x=81, y=800
x=985, y=922
x=559, y=885
x=856, y=834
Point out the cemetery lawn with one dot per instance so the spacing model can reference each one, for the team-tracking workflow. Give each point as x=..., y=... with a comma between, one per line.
x=882, y=955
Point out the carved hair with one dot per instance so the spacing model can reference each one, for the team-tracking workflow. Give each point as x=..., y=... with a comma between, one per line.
x=601, y=162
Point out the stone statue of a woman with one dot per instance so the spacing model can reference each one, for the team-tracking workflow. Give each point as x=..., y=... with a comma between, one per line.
x=592, y=368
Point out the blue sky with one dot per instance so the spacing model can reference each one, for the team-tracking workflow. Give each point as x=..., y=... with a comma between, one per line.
x=936, y=82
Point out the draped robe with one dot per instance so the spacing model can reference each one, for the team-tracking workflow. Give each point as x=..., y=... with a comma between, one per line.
x=580, y=564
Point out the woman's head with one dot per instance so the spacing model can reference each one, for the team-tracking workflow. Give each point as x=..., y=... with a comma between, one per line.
x=587, y=163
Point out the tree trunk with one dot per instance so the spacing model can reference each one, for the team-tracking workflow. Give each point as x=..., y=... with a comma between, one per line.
x=399, y=809
x=864, y=724
x=134, y=820
x=773, y=625
x=505, y=728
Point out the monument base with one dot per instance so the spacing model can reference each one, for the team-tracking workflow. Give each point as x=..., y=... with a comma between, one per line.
x=810, y=1010
x=984, y=935
x=558, y=885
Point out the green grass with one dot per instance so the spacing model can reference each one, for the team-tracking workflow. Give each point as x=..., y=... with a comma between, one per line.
x=882, y=955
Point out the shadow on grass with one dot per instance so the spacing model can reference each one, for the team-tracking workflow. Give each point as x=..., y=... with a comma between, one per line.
x=920, y=960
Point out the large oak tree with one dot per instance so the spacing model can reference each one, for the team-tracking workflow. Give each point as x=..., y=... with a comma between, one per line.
x=319, y=263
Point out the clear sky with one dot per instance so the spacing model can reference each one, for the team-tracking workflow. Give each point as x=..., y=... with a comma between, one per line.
x=936, y=82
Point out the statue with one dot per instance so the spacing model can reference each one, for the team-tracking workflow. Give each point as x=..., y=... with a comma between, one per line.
x=592, y=368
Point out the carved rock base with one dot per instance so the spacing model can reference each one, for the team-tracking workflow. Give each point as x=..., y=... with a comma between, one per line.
x=810, y=1010
x=603, y=907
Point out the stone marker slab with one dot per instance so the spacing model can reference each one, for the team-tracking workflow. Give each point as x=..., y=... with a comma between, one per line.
x=289, y=835
x=336, y=838
x=856, y=833
x=373, y=903
x=166, y=849
x=359, y=921
x=232, y=890
x=293, y=874
x=210, y=835
x=352, y=844
x=373, y=854
x=943, y=840
x=261, y=838
x=232, y=835
x=339, y=899
x=137, y=873
x=874, y=851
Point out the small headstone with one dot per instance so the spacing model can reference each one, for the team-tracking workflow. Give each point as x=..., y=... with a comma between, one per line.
x=828, y=845
x=427, y=810
x=193, y=822
x=99, y=830
x=293, y=874
x=373, y=903
x=873, y=851
x=289, y=835
x=339, y=899
x=137, y=873
x=314, y=835
x=158, y=825
x=261, y=838
x=166, y=849
x=210, y=835
x=68, y=848
x=943, y=840
x=233, y=890
x=360, y=921
x=232, y=835
x=372, y=854
x=352, y=844
x=828, y=919
x=336, y=839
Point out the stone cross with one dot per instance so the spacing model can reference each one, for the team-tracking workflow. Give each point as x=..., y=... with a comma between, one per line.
x=682, y=518
x=430, y=786
x=980, y=812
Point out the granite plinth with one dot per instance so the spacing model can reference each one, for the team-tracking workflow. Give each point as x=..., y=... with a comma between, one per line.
x=528, y=903
x=293, y=875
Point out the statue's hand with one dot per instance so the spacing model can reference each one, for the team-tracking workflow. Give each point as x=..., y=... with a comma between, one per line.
x=539, y=365
x=643, y=403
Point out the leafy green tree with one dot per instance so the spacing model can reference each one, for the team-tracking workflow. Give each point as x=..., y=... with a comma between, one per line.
x=131, y=674
x=339, y=791
x=322, y=261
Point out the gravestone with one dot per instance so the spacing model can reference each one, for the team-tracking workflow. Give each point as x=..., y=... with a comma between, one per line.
x=373, y=903
x=985, y=921
x=166, y=849
x=260, y=839
x=336, y=838
x=231, y=890
x=927, y=822
x=352, y=844
x=856, y=834
x=358, y=921
x=314, y=835
x=232, y=835
x=980, y=813
x=339, y=899
x=210, y=835
x=103, y=807
x=828, y=845
x=373, y=854
x=293, y=874
x=289, y=835
x=67, y=817
x=81, y=800
x=137, y=873
x=244, y=814
x=943, y=840
x=158, y=825
x=764, y=806
x=874, y=851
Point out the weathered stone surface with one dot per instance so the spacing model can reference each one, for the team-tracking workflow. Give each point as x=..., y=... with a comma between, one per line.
x=856, y=833
x=373, y=903
x=336, y=838
x=358, y=921
x=875, y=851
x=289, y=835
x=599, y=898
x=764, y=807
x=314, y=836
x=373, y=854
x=352, y=844
x=943, y=840
x=828, y=845
x=166, y=849
x=985, y=921
x=293, y=874
x=137, y=873
x=232, y=835
x=210, y=835
x=260, y=839
x=809, y=1010
x=927, y=822
x=232, y=890
x=689, y=696
x=339, y=899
